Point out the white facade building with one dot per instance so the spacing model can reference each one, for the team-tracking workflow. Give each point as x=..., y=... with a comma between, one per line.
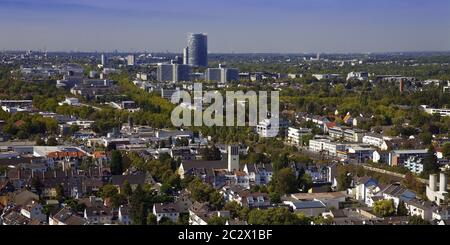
x=295, y=135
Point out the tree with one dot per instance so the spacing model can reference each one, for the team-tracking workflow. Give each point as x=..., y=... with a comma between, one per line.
x=37, y=185
x=108, y=191
x=216, y=220
x=211, y=153
x=166, y=221
x=118, y=200
x=202, y=192
x=234, y=208
x=127, y=188
x=284, y=181
x=60, y=193
x=40, y=142
x=446, y=150
x=417, y=220
x=275, y=197
x=52, y=141
x=430, y=164
x=151, y=219
x=344, y=180
x=384, y=208
x=401, y=209
x=216, y=200
x=116, y=163
x=320, y=220
x=275, y=216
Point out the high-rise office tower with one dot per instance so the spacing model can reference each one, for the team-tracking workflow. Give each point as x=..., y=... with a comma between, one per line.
x=197, y=50
x=103, y=60
x=186, y=56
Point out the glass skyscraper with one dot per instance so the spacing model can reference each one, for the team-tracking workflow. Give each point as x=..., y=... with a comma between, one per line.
x=197, y=50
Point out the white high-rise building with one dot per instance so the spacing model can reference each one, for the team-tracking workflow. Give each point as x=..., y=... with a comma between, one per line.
x=103, y=60
x=186, y=56
x=130, y=60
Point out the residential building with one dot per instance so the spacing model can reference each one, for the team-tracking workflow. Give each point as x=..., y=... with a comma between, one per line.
x=397, y=193
x=325, y=76
x=361, y=76
x=331, y=200
x=98, y=215
x=166, y=210
x=326, y=146
x=200, y=213
x=346, y=134
x=34, y=210
x=260, y=174
x=375, y=140
x=67, y=217
x=295, y=135
x=399, y=157
x=124, y=215
x=271, y=127
x=309, y=208
x=443, y=112
x=414, y=164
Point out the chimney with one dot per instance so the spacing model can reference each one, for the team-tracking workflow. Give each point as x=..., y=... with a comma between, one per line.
x=433, y=182
x=443, y=182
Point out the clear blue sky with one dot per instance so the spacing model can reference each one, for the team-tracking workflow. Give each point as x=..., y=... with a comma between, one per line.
x=232, y=25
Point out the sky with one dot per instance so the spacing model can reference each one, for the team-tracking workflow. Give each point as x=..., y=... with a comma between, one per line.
x=269, y=26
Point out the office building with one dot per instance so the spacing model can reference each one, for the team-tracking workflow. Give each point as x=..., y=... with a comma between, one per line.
x=130, y=60
x=173, y=72
x=213, y=74
x=164, y=72
x=197, y=51
x=222, y=74
x=186, y=56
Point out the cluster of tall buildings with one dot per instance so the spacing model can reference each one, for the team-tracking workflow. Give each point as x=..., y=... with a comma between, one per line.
x=195, y=55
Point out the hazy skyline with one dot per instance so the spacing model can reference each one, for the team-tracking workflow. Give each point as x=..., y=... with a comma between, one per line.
x=287, y=26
